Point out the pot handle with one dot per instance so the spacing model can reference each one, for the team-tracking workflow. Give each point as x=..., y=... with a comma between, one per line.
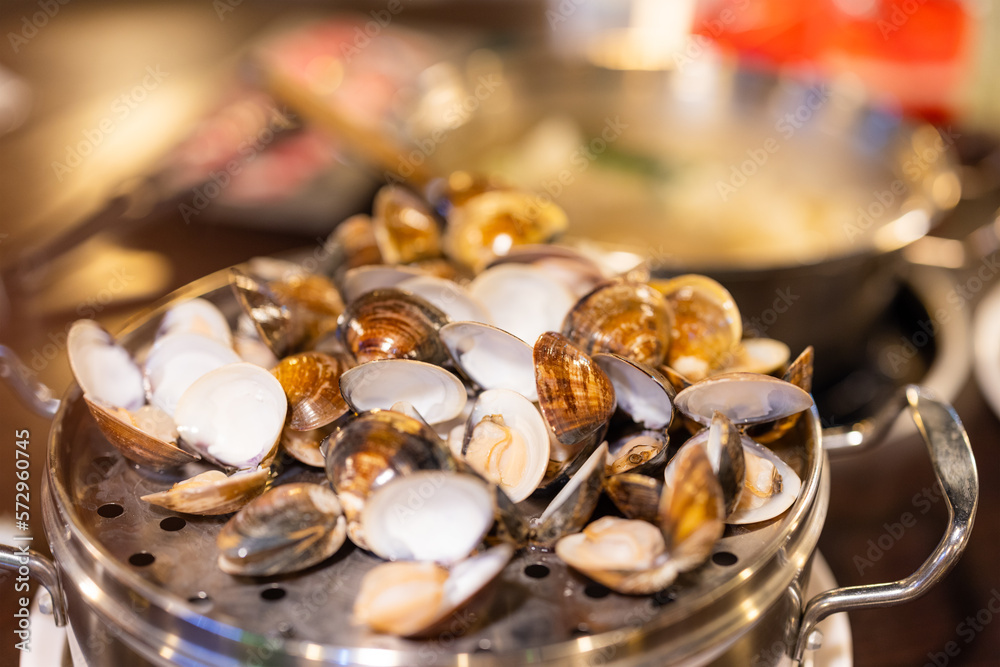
x=32, y=393
x=955, y=469
x=41, y=569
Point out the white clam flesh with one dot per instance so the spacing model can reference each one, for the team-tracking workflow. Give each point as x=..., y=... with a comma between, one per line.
x=432, y=391
x=233, y=414
x=507, y=441
x=770, y=486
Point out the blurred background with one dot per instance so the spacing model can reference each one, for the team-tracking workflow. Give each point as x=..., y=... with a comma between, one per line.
x=835, y=163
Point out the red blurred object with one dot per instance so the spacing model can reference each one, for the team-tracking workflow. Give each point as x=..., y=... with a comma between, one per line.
x=911, y=54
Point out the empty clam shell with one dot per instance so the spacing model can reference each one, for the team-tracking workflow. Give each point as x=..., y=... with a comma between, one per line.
x=197, y=316
x=706, y=327
x=433, y=392
x=491, y=357
x=428, y=515
x=759, y=355
x=799, y=373
x=491, y=223
x=692, y=510
x=507, y=441
x=151, y=448
x=627, y=318
x=104, y=370
x=405, y=229
x=176, y=361
x=574, y=394
x=233, y=415
x=391, y=324
x=212, y=492
x=574, y=270
x=745, y=398
x=642, y=392
x=363, y=279
x=376, y=447
x=451, y=298
x=414, y=598
x=311, y=381
x=522, y=300
x=289, y=528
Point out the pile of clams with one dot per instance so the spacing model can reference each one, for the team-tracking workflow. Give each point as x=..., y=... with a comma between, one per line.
x=469, y=389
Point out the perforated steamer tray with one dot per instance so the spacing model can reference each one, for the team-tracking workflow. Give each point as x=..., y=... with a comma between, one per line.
x=153, y=574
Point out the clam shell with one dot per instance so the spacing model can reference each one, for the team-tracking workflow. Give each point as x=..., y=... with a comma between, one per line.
x=197, y=316
x=642, y=392
x=635, y=495
x=176, y=361
x=459, y=187
x=518, y=464
x=491, y=357
x=799, y=373
x=233, y=415
x=724, y=445
x=433, y=392
x=428, y=515
x=289, y=528
x=311, y=381
x=212, y=492
x=363, y=279
x=269, y=314
x=692, y=509
x=391, y=324
x=643, y=452
x=405, y=229
x=759, y=355
x=522, y=300
x=627, y=318
x=304, y=446
x=356, y=237
x=706, y=327
x=103, y=369
x=448, y=296
x=573, y=506
x=774, y=505
x=377, y=447
x=568, y=266
x=574, y=394
x=135, y=444
x=745, y=398
x=489, y=224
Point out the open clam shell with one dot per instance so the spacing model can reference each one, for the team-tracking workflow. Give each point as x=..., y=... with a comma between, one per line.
x=707, y=325
x=356, y=237
x=522, y=300
x=638, y=452
x=799, y=373
x=213, y=492
x=745, y=398
x=428, y=515
x=375, y=448
x=103, y=369
x=507, y=441
x=311, y=381
x=363, y=279
x=289, y=528
x=573, y=506
x=176, y=361
x=415, y=599
x=642, y=392
x=770, y=486
x=405, y=228
x=627, y=318
x=759, y=355
x=574, y=394
x=272, y=317
x=433, y=392
x=692, y=508
x=136, y=444
x=304, y=446
x=637, y=496
x=491, y=357
x=392, y=324
x=577, y=272
x=233, y=415
x=448, y=296
x=197, y=316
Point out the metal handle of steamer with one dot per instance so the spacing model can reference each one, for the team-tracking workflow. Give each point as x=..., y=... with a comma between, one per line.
x=32, y=393
x=955, y=469
x=39, y=568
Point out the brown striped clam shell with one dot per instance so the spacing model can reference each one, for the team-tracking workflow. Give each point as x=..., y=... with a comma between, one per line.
x=311, y=381
x=392, y=324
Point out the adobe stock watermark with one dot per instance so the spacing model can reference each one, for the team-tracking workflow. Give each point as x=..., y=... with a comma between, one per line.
x=248, y=149
x=758, y=325
x=454, y=116
x=121, y=108
x=967, y=630
x=30, y=25
x=786, y=126
x=893, y=532
x=913, y=168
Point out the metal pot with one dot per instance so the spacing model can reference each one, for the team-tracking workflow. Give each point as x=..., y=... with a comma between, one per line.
x=140, y=587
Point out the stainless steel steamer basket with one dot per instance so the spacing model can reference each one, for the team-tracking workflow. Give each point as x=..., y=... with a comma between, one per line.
x=140, y=584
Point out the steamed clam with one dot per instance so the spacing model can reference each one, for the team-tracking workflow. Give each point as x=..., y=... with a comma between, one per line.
x=289, y=528
x=405, y=228
x=197, y=316
x=177, y=360
x=392, y=324
x=628, y=318
x=491, y=357
x=212, y=492
x=522, y=300
x=433, y=392
x=311, y=382
x=745, y=398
